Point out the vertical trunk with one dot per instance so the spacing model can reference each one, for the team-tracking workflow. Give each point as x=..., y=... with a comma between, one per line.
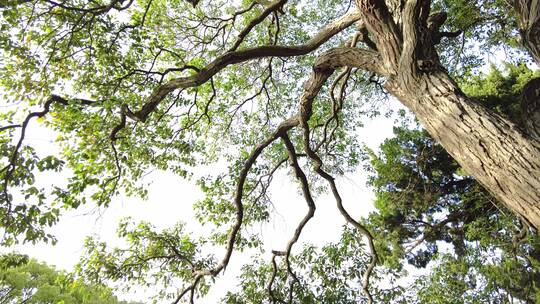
x=528, y=15
x=494, y=150
x=530, y=107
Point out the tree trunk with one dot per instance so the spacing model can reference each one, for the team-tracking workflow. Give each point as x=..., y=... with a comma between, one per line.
x=493, y=149
x=528, y=17
x=530, y=107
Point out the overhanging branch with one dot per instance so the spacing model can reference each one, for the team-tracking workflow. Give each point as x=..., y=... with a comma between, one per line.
x=242, y=56
x=239, y=194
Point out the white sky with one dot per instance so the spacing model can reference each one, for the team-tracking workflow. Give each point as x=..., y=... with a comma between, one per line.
x=171, y=198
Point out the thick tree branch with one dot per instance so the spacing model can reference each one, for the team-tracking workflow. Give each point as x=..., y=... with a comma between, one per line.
x=245, y=55
x=411, y=41
x=530, y=107
x=323, y=68
x=528, y=13
x=384, y=30
x=351, y=57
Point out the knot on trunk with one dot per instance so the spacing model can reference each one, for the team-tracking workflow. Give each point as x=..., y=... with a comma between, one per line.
x=430, y=35
x=427, y=65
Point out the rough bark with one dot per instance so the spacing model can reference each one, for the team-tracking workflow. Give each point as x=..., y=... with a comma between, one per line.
x=488, y=146
x=492, y=149
x=528, y=15
x=530, y=107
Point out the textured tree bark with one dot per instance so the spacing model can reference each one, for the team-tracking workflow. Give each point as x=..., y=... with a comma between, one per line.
x=493, y=149
x=528, y=15
x=530, y=107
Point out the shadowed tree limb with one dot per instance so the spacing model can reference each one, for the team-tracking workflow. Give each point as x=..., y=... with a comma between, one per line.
x=301, y=177
x=528, y=13
x=305, y=114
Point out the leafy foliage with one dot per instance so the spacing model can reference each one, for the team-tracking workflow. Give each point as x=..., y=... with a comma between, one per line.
x=24, y=280
x=132, y=86
x=160, y=260
x=425, y=200
x=331, y=274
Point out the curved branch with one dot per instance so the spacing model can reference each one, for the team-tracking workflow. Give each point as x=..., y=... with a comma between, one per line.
x=323, y=68
x=275, y=6
x=229, y=58
x=280, y=130
x=9, y=169
x=330, y=179
x=305, y=111
x=301, y=176
x=351, y=57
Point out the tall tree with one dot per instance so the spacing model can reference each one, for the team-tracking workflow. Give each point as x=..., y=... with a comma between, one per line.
x=429, y=214
x=135, y=85
x=425, y=199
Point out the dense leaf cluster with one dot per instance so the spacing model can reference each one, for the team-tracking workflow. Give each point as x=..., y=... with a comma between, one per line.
x=24, y=280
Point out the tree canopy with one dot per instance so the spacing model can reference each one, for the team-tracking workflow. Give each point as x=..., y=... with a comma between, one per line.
x=24, y=280
x=250, y=88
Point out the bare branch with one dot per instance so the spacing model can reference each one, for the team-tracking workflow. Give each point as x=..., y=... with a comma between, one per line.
x=301, y=176
x=318, y=168
x=8, y=127
x=305, y=111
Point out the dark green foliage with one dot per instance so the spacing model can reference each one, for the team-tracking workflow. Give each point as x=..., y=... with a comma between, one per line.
x=424, y=200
